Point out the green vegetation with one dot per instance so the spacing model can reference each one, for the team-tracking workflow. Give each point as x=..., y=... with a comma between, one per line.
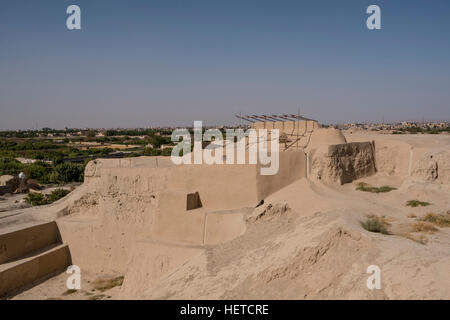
x=68, y=172
x=62, y=154
x=57, y=194
x=151, y=152
x=362, y=186
x=375, y=224
x=427, y=129
x=10, y=166
x=440, y=220
x=44, y=172
x=74, y=145
x=11, y=145
x=416, y=203
x=166, y=152
x=39, y=171
x=35, y=199
x=39, y=199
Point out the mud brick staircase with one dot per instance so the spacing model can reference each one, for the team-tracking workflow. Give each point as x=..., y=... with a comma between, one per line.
x=29, y=256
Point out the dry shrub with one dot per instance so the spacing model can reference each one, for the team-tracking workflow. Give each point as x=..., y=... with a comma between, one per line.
x=422, y=226
x=106, y=284
x=419, y=238
x=416, y=203
x=362, y=186
x=69, y=291
x=419, y=226
x=376, y=224
x=437, y=219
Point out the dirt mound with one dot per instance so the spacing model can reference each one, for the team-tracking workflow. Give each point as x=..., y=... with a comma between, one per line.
x=276, y=260
x=324, y=270
x=268, y=212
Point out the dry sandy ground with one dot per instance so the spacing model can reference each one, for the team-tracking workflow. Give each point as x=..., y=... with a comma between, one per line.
x=307, y=242
x=10, y=202
x=92, y=288
x=320, y=250
x=317, y=249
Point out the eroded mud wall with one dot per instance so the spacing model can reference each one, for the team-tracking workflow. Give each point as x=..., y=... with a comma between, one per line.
x=124, y=201
x=343, y=163
x=433, y=167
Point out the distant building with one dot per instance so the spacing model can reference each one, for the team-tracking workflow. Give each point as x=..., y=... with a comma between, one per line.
x=5, y=180
x=26, y=160
x=30, y=161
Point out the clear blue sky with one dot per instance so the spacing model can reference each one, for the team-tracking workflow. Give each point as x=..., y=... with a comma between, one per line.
x=150, y=63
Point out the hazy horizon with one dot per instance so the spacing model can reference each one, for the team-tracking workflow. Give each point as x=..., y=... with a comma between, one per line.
x=167, y=63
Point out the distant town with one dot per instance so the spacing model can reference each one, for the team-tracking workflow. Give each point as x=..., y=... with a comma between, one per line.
x=404, y=127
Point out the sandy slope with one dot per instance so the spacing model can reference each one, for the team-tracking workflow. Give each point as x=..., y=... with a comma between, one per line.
x=320, y=251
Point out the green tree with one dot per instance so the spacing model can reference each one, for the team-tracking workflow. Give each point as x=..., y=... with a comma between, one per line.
x=167, y=152
x=70, y=172
x=39, y=171
x=36, y=199
x=57, y=194
x=10, y=166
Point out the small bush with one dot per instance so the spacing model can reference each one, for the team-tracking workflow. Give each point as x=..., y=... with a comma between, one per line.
x=166, y=152
x=375, y=224
x=422, y=226
x=57, y=194
x=39, y=199
x=416, y=203
x=362, y=186
x=384, y=189
x=416, y=238
x=36, y=199
x=437, y=219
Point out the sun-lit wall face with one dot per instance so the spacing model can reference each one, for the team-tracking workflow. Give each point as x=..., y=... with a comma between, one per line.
x=293, y=135
x=288, y=127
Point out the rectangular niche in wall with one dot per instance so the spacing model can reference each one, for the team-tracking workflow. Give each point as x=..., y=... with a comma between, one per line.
x=193, y=201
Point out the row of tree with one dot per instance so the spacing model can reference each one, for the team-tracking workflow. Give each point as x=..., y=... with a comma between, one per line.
x=44, y=172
